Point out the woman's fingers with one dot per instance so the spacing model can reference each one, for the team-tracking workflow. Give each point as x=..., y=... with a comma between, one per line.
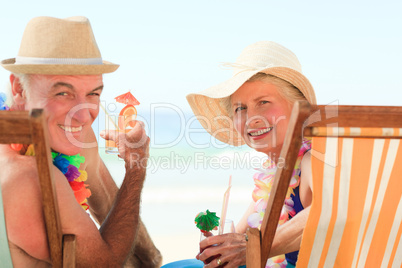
x=229, y=248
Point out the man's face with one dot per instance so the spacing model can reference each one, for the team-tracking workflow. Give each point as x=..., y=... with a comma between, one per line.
x=71, y=104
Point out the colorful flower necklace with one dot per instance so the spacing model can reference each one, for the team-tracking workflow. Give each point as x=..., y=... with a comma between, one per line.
x=3, y=105
x=69, y=166
x=263, y=181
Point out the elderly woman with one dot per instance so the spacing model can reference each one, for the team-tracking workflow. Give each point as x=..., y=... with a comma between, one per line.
x=254, y=107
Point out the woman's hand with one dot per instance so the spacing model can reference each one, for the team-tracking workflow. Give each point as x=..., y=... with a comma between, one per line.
x=230, y=249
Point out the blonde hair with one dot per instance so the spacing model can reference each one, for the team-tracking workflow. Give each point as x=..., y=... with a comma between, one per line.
x=287, y=91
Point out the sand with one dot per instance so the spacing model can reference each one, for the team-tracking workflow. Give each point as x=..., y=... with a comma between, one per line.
x=178, y=247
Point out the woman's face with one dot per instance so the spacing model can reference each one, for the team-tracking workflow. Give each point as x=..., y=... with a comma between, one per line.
x=261, y=116
x=71, y=104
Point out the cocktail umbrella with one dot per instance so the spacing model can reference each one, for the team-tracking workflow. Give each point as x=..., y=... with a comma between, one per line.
x=127, y=98
x=206, y=221
x=129, y=111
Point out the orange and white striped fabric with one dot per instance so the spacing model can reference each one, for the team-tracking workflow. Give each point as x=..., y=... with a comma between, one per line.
x=356, y=214
x=356, y=131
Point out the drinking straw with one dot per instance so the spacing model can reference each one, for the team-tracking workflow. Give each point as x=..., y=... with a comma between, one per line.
x=106, y=114
x=225, y=206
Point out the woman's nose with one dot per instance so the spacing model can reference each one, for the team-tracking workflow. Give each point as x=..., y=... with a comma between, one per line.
x=253, y=118
x=256, y=120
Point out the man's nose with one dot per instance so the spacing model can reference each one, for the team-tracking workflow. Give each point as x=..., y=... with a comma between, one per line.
x=81, y=112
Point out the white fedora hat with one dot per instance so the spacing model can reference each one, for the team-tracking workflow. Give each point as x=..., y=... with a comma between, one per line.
x=261, y=57
x=59, y=46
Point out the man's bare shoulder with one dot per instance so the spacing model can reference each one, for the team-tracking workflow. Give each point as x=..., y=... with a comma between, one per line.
x=18, y=172
x=22, y=204
x=22, y=259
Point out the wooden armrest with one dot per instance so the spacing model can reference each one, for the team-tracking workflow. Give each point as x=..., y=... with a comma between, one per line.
x=69, y=243
x=253, y=250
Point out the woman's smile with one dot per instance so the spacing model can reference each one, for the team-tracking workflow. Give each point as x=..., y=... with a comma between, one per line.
x=257, y=134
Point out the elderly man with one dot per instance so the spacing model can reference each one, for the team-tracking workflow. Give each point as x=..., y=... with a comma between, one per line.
x=59, y=68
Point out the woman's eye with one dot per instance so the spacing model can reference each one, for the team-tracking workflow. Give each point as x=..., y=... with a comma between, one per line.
x=238, y=109
x=264, y=102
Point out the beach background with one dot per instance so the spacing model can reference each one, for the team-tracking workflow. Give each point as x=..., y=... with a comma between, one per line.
x=187, y=173
x=350, y=51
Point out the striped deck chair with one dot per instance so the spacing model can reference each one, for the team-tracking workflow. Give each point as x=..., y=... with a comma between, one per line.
x=30, y=128
x=356, y=213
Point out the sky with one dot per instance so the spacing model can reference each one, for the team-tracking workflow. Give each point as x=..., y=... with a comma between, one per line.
x=349, y=50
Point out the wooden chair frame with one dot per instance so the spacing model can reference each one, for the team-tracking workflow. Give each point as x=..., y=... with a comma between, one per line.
x=306, y=121
x=31, y=128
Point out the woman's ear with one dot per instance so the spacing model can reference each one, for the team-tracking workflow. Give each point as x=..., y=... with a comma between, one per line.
x=17, y=91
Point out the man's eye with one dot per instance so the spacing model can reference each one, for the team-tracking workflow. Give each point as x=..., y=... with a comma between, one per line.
x=94, y=94
x=61, y=94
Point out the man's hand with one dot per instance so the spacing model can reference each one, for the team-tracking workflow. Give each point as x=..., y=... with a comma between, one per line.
x=133, y=146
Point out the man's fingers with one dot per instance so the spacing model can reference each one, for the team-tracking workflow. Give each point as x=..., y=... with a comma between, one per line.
x=140, y=123
x=109, y=134
x=137, y=132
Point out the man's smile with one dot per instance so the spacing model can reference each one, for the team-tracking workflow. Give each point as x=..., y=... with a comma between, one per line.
x=70, y=128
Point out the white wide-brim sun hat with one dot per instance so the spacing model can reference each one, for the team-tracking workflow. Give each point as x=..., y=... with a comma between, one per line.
x=59, y=47
x=261, y=57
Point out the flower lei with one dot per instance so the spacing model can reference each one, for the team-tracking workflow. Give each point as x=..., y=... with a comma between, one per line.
x=263, y=181
x=69, y=166
x=3, y=105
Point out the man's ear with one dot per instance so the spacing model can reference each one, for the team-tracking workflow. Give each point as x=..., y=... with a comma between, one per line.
x=17, y=91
